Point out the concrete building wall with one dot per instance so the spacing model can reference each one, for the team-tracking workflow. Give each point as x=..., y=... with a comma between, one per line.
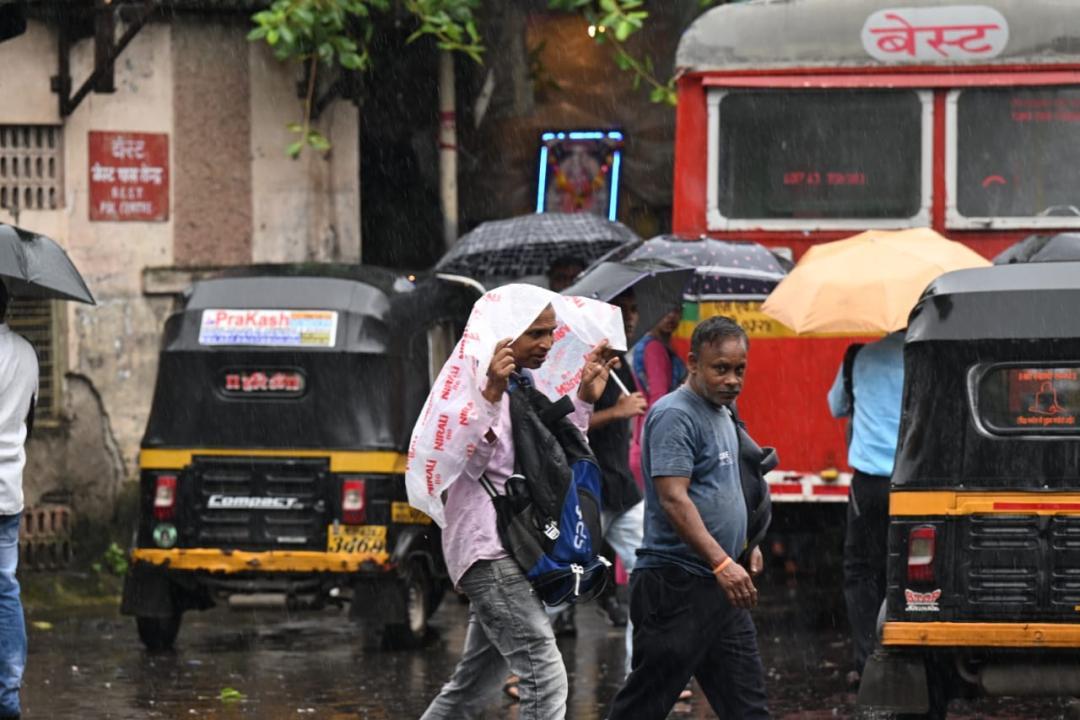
x=234, y=198
x=212, y=129
x=301, y=221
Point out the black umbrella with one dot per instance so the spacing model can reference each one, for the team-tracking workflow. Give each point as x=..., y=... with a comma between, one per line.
x=34, y=266
x=1063, y=247
x=657, y=290
x=725, y=269
x=529, y=244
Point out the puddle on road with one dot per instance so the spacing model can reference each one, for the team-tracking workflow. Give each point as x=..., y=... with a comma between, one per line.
x=319, y=665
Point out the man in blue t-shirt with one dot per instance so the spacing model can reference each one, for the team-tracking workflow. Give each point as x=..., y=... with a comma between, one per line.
x=871, y=398
x=689, y=598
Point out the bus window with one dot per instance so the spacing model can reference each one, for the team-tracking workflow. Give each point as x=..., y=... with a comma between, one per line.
x=1017, y=156
x=819, y=158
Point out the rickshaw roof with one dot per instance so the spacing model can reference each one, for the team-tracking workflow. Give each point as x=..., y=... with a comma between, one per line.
x=779, y=34
x=290, y=293
x=382, y=307
x=1021, y=301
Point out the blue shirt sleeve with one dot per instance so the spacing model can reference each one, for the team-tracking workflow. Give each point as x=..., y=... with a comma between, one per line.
x=839, y=403
x=669, y=439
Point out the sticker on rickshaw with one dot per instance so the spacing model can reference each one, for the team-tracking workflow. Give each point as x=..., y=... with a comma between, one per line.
x=922, y=602
x=269, y=328
x=356, y=539
x=405, y=513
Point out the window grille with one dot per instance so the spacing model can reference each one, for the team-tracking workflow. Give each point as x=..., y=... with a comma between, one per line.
x=36, y=320
x=31, y=167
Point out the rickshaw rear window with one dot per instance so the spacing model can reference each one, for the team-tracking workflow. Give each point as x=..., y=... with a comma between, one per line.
x=815, y=154
x=1030, y=400
x=1018, y=150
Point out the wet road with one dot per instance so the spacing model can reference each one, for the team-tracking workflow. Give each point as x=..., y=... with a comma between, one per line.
x=316, y=664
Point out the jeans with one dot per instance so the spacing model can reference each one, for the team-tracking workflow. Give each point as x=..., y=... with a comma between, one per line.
x=865, y=555
x=624, y=532
x=683, y=627
x=12, y=624
x=507, y=626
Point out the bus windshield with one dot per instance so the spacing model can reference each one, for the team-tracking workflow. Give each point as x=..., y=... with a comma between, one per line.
x=1018, y=152
x=819, y=154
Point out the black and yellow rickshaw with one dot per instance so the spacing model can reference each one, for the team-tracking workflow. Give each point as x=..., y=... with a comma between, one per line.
x=984, y=535
x=274, y=454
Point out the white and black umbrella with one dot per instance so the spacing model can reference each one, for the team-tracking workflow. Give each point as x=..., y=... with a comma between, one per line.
x=34, y=266
x=529, y=244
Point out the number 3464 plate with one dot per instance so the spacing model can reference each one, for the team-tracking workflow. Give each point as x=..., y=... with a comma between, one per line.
x=356, y=539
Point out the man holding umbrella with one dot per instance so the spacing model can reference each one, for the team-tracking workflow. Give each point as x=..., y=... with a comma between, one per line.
x=34, y=266
x=18, y=388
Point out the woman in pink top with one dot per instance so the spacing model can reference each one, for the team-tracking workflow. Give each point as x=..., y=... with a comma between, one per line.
x=657, y=371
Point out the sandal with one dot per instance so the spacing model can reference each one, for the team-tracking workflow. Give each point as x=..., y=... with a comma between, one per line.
x=510, y=688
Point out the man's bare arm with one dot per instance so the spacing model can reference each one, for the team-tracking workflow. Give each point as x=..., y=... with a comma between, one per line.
x=680, y=510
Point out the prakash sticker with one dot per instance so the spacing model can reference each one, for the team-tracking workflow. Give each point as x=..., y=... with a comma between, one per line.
x=922, y=602
x=269, y=328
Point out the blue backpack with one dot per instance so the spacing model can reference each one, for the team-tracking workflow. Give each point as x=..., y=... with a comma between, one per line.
x=549, y=517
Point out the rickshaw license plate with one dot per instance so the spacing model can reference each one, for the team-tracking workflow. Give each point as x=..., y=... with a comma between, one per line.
x=356, y=539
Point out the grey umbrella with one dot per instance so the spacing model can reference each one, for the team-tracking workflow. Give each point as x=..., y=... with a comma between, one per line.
x=34, y=266
x=528, y=244
x=657, y=290
x=1063, y=247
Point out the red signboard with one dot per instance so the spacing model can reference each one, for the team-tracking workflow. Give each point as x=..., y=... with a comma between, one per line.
x=129, y=176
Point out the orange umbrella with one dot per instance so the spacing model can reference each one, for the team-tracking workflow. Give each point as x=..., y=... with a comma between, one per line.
x=867, y=283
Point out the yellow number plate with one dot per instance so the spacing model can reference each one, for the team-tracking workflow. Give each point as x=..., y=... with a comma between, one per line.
x=405, y=513
x=356, y=539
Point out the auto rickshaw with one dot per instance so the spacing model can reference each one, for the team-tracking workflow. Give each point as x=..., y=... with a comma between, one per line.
x=274, y=455
x=983, y=578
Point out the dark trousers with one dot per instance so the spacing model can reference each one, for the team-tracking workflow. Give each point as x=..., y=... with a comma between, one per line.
x=683, y=626
x=865, y=553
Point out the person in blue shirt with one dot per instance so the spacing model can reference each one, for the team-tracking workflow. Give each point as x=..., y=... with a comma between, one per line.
x=690, y=599
x=872, y=404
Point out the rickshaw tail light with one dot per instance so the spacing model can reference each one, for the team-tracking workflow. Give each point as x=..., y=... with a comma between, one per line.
x=921, y=545
x=165, y=497
x=353, y=501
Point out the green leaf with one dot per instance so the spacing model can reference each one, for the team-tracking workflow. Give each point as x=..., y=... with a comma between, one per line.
x=294, y=148
x=623, y=30
x=231, y=695
x=295, y=128
x=351, y=61
x=318, y=141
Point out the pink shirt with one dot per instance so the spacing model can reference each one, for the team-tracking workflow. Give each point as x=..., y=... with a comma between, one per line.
x=470, y=533
x=657, y=363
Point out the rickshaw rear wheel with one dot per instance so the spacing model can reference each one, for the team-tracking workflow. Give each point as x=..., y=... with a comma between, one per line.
x=417, y=595
x=158, y=633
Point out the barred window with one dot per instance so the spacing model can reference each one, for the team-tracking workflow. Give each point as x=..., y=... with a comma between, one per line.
x=31, y=167
x=36, y=320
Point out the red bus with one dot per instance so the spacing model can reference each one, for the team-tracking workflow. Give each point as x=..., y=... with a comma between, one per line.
x=804, y=121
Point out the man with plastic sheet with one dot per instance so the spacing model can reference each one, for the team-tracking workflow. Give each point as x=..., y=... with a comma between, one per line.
x=464, y=435
x=690, y=597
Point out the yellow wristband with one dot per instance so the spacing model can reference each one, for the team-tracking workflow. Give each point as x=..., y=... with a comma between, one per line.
x=720, y=568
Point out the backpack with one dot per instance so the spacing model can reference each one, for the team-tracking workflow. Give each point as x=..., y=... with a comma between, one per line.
x=549, y=517
x=847, y=370
x=637, y=365
x=754, y=462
